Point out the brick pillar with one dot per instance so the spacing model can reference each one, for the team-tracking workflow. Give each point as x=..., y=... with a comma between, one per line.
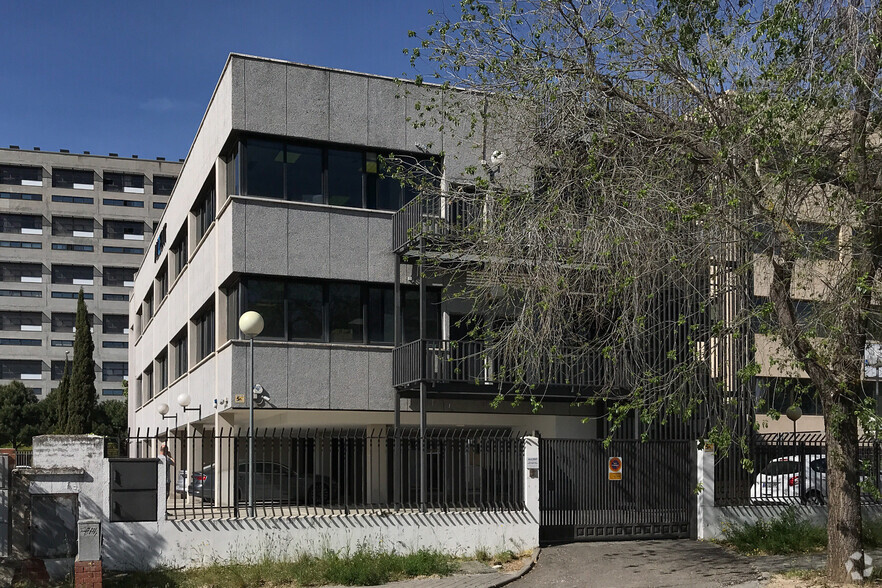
x=87, y=574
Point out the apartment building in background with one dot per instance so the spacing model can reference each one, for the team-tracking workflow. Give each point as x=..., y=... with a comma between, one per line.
x=71, y=221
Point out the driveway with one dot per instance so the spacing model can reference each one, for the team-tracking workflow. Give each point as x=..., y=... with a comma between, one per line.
x=640, y=564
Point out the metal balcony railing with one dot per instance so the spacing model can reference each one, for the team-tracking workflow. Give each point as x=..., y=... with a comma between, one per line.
x=434, y=217
x=474, y=363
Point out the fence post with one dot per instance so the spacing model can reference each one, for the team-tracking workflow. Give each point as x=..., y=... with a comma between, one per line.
x=705, y=494
x=531, y=483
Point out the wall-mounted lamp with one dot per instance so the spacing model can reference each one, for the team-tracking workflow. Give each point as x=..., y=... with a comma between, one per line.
x=163, y=410
x=184, y=401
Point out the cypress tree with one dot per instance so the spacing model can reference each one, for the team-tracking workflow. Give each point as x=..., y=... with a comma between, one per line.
x=62, y=394
x=82, y=398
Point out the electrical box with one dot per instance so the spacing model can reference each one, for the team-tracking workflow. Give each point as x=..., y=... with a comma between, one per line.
x=133, y=489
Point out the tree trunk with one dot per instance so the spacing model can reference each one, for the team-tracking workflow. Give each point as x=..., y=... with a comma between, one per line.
x=843, y=492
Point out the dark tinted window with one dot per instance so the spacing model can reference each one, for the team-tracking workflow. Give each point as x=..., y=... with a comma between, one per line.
x=15, y=223
x=303, y=174
x=163, y=185
x=73, y=199
x=115, y=324
x=118, y=276
x=204, y=209
x=410, y=302
x=70, y=178
x=781, y=468
x=114, y=371
x=20, y=272
x=13, y=369
x=19, y=174
x=819, y=465
x=345, y=313
x=266, y=168
x=305, y=311
x=268, y=298
x=118, y=182
x=119, y=229
x=72, y=274
x=66, y=225
x=345, y=178
x=381, y=315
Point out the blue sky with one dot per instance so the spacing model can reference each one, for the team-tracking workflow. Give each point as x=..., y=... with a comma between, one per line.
x=134, y=77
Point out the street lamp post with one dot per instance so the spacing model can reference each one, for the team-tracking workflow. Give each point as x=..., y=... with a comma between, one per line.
x=251, y=325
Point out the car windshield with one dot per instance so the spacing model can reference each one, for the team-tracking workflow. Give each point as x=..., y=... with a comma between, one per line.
x=781, y=468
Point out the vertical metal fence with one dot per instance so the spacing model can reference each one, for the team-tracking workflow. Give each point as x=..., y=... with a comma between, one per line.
x=788, y=468
x=334, y=471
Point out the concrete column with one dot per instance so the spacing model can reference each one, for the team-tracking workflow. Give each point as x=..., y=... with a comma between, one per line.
x=705, y=485
x=531, y=484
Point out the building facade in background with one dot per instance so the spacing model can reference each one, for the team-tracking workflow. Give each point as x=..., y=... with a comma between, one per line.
x=71, y=221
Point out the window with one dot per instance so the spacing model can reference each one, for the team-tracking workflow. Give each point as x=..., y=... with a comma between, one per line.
x=21, y=175
x=126, y=203
x=73, y=226
x=21, y=369
x=115, y=344
x=114, y=371
x=11, y=320
x=115, y=324
x=62, y=342
x=162, y=372
x=163, y=185
x=21, y=272
x=204, y=328
x=148, y=383
x=162, y=284
x=780, y=393
x=119, y=276
x=21, y=293
x=72, y=295
x=20, y=245
x=64, y=322
x=78, y=179
x=81, y=275
x=179, y=252
x=323, y=175
x=204, y=211
x=21, y=342
x=120, y=182
x=123, y=250
x=26, y=224
x=180, y=349
x=57, y=369
x=119, y=229
x=337, y=311
x=73, y=247
x=115, y=297
x=19, y=196
x=73, y=199
x=112, y=392
x=147, y=305
x=159, y=205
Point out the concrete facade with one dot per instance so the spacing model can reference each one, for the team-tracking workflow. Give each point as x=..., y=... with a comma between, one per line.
x=308, y=383
x=48, y=242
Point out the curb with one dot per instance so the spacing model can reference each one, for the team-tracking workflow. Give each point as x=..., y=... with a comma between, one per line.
x=521, y=573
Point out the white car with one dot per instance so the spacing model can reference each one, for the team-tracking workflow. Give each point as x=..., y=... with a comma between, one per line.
x=784, y=481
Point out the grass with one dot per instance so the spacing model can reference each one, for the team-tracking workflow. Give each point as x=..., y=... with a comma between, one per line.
x=788, y=534
x=363, y=567
x=492, y=559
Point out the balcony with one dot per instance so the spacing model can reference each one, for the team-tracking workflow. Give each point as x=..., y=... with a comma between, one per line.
x=437, y=219
x=472, y=368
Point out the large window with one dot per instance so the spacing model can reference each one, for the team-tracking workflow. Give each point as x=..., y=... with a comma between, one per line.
x=162, y=284
x=21, y=369
x=21, y=272
x=179, y=252
x=21, y=175
x=11, y=320
x=163, y=185
x=337, y=312
x=180, y=346
x=323, y=175
x=21, y=223
x=114, y=371
x=119, y=182
x=119, y=276
x=82, y=275
x=79, y=179
x=162, y=371
x=204, y=324
x=115, y=324
x=63, y=322
x=71, y=226
x=120, y=229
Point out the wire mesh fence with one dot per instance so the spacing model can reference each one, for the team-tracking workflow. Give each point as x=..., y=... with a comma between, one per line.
x=788, y=468
x=298, y=472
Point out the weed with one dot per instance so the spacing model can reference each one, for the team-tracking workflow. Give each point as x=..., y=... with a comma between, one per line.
x=784, y=534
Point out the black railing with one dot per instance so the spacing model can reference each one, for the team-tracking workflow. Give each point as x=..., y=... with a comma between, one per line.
x=788, y=468
x=349, y=471
x=24, y=458
x=475, y=363
x=433, y=216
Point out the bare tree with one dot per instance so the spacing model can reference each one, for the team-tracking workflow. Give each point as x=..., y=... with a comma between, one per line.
x=656, y=165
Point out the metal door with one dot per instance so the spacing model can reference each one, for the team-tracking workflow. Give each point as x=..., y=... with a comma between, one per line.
x=580, y=499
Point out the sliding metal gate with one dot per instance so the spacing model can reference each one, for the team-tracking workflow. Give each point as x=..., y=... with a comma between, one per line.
x=581, y=499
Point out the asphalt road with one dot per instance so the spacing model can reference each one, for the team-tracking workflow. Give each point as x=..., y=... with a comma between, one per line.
x=640, y=564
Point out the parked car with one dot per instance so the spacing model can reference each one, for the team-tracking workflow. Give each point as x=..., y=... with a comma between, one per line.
x=783, y=481
x=273, y=482
x=181, y=484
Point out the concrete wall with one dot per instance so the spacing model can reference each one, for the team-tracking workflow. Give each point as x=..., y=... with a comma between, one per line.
x=193, y=543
